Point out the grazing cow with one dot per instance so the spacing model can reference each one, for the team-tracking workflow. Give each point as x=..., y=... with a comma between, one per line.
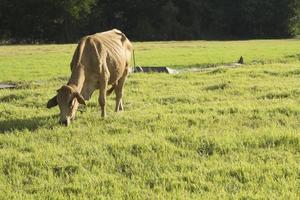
x=99, y=60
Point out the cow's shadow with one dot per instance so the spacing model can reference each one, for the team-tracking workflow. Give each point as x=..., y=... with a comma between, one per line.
x=31, y=124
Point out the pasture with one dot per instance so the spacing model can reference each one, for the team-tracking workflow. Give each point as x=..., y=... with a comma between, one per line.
x=220, y=134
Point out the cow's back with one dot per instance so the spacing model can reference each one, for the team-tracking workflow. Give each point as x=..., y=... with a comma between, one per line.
x=111, y=47
x=117, y=49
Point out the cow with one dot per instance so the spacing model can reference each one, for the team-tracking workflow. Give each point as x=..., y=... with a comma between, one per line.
x=99, y=60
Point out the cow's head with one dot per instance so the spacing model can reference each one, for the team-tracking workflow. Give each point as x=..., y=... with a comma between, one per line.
x=67, y=99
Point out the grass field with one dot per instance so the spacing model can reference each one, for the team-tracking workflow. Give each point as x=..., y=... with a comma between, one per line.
x=220, y=134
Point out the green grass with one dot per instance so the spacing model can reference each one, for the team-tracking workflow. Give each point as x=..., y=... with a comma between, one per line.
x=221, y=134
x=17, y=61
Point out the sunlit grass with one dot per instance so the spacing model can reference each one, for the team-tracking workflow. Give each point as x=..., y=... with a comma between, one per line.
x=221, y=134
x=42, y=62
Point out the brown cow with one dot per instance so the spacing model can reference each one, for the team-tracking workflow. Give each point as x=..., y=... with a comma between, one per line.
x=99, y=60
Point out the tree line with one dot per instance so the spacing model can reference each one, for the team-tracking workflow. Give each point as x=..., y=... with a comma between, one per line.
x=64, y=21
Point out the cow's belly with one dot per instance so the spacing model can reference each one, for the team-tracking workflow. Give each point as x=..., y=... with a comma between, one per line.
x=115, y=75
x=116, y=69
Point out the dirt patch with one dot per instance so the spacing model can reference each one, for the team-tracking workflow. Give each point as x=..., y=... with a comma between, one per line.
x=152, y=69
x=214, y=69
x=8, y=85
x=26, y=84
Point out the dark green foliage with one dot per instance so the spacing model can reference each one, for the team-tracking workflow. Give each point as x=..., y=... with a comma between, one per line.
x=44, y=20
x=66, y=21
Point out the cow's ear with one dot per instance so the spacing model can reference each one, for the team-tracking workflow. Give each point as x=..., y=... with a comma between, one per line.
x=80, y=98
x=52, y=102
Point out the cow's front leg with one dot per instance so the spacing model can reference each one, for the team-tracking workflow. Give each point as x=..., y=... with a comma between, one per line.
x=102, y=94
x=102, y=101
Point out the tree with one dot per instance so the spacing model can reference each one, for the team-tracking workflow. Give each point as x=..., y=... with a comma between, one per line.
x=295, y=19
x=68, y=20
x=72, y=16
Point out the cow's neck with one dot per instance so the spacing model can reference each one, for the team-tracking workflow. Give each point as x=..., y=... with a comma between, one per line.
x=77, y=78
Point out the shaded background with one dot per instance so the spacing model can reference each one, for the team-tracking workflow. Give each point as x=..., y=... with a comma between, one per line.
x=65, y=21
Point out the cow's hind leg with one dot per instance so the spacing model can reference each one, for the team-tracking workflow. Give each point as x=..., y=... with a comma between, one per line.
x=119, y=91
